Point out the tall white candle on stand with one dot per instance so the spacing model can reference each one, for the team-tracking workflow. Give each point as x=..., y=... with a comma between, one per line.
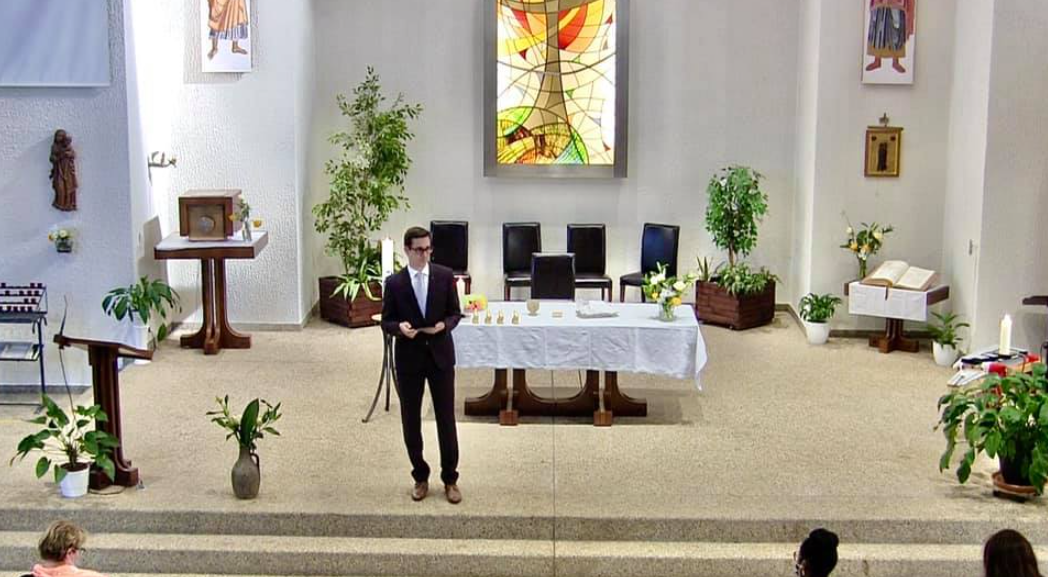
x=1005, y=347
x=387, y=258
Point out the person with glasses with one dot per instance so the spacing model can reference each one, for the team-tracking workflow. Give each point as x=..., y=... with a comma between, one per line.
x=1008, y=554
x=61, y=550
x=818, y=554
x=420, y=308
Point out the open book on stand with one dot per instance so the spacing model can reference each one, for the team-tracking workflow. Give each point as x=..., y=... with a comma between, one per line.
x=900, y=275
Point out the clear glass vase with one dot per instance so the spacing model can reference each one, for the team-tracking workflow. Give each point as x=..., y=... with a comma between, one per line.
x=666, y=312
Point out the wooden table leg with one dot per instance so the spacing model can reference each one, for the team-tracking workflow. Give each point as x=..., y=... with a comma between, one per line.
x=620, y=403
x=893, y=339
x=227, y=337
x=202, y=337
x=491, y=402
x=106, y=385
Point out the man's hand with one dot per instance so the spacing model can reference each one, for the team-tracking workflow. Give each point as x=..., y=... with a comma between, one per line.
x=407, y=331
x=434, y=329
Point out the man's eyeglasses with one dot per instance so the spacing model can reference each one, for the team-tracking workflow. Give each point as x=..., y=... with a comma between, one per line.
x=421, y=249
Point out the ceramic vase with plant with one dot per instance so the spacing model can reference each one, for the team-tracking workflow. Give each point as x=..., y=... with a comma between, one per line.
x=250, y=426
x=865, y=242
x=945, y=338
x=1004, y=417
x=816, y=312
x=366, y=187
x=665, y=291
x=74, y=441
x=140, y=302
x=62, y=239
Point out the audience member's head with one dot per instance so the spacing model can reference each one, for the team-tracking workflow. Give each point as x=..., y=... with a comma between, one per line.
x=62, y=542
x=1008, y=554
x=818, y=554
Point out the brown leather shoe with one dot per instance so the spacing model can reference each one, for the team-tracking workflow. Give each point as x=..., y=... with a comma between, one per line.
x=453, y=494
x=420, y=491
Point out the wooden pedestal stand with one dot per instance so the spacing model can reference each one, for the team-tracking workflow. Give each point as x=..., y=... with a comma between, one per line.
x=105, y=382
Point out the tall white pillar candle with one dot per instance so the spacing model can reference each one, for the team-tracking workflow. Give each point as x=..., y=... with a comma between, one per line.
x=1005, y=346
x=387, y=258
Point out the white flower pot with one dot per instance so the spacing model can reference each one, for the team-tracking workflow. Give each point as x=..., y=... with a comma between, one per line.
x=945, y=356
x=818, y=333
x=75, y=483
x=137, y=335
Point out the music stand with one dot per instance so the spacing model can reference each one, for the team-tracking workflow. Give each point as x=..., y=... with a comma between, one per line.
x=105, y=383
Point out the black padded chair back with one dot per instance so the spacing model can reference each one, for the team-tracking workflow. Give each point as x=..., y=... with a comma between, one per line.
x=553, y=276
x=451, y=244
x=588, y=242
x=519, y=241
x=659, y=244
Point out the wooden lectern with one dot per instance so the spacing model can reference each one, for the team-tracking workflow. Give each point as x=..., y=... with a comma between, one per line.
x=102, y=356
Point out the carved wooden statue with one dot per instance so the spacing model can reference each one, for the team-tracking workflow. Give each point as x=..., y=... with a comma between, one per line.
x=63, y=171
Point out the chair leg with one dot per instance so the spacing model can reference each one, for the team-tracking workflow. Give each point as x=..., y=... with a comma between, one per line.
x=622, y=293
x=643, y=299
x=469, y=286
x=506, y=298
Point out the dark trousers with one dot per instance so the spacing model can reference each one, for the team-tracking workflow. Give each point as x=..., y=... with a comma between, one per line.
x=442, y=390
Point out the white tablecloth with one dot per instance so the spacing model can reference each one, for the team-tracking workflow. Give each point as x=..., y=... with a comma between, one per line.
x=897, y=304
x=633, y=342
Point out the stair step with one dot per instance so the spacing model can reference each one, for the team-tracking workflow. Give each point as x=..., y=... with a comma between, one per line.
x=523, y=528
x=170, y=554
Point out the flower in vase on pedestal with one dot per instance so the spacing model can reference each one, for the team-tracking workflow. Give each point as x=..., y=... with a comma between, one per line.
x=665, y=291
x=865, y=242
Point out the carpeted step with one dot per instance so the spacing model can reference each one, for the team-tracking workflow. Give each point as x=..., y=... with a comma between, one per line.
x=168, y=554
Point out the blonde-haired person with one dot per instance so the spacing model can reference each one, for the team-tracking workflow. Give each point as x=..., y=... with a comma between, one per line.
x=60, y=550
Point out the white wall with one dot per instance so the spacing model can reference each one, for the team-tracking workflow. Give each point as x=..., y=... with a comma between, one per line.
x=1015, y=238
x=913, y=203
x=966, y=154
x=96, y=118
x=711, y=83
x=233, y=131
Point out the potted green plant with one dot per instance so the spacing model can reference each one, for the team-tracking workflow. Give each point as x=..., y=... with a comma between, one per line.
x=367, y=186
x=736, y=296
x=140, y=302
x=1004, y=417
x=250, y=426
x=945, y=338
x=72, y=439
x=816, y=312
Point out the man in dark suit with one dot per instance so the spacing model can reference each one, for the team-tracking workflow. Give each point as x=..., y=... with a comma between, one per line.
x=420, y=307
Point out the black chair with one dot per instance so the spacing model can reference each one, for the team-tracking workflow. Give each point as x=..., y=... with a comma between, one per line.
x=519, y=241
x=553, y=276
x=451, y=247
x=659, y=244
x=589, y=244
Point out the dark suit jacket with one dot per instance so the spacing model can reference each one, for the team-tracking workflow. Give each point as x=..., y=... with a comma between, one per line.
x=442, y=304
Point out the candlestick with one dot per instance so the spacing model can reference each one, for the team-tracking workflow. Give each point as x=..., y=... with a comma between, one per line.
x=1005, y=347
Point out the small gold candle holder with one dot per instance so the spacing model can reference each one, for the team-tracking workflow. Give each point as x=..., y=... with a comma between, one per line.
x=501, y=319
x=516, y=317
x=487, y=318
x=476, y=318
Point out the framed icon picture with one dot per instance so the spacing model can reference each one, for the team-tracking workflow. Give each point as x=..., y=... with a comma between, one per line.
x=225, y=35
x=883, y=151
x=889, y=40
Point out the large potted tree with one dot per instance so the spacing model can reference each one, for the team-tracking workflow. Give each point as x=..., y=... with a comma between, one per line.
x=367, y=185
x=736, y=297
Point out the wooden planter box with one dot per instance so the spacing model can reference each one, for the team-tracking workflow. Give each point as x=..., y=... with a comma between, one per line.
x=716, y=306
x=352, y=314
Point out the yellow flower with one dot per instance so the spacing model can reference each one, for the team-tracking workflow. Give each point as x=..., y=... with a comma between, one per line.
x=232, y=217
x=675, y=301
x=854, y=246
x=51, y=236
x=866, y=248
x=654, y=296
x=257, y=223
